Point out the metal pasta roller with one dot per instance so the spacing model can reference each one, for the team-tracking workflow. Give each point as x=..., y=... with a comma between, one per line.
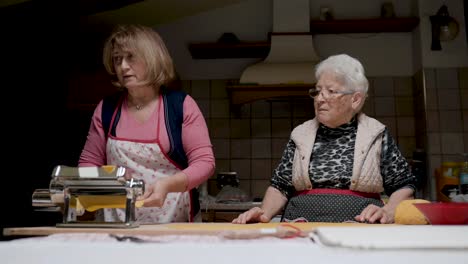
x=74, y=190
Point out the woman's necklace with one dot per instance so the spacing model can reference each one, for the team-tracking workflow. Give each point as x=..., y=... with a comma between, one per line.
x=139, y=107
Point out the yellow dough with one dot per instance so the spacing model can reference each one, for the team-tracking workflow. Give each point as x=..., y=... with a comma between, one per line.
x=108, y=168
x=92, y=203
x=407, y=214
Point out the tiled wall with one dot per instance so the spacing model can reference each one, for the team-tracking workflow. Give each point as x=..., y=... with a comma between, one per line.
x=250, y=140
x=443, y=97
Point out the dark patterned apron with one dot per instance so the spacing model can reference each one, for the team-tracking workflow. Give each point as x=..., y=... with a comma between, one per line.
x=328, y=205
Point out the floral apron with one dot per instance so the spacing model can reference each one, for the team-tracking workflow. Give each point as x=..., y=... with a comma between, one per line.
x=146, y=161
x=328, y=205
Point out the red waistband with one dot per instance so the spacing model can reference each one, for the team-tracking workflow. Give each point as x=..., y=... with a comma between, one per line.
x=340, y=192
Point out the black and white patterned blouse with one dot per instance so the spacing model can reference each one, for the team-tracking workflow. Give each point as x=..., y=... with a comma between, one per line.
x=331, y=164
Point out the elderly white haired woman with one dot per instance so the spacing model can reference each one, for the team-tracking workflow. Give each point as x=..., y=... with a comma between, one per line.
x=335, y=166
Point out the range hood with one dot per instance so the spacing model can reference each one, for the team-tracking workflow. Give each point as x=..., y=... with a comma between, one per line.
x=292, y=56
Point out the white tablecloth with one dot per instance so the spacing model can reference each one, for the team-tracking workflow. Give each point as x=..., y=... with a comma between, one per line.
x=102, y=248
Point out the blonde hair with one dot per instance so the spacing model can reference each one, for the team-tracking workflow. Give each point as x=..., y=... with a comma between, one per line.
x=148, y=46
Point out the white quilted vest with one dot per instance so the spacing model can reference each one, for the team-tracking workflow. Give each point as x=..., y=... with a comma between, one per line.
x=366, y=169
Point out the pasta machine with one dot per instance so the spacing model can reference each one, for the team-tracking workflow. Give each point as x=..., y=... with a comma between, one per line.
x=74, y=190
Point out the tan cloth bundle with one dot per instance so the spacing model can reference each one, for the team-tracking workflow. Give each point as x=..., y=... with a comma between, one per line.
x=407, y=214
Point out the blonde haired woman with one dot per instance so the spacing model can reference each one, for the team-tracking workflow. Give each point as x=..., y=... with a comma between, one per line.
x=158, y=134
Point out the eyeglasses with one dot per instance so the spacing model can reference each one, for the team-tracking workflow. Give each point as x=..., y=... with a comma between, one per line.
x=327, y=93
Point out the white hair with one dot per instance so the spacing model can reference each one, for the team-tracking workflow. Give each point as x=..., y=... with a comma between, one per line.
x=346, y=69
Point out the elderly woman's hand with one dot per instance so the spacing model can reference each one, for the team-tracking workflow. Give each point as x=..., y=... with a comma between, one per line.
x=255, y=214
x=374, y=214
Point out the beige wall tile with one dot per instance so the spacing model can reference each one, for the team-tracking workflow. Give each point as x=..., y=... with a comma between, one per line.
x=220, y=128
x=280, y=127
x=404, y=106
x=298, y=121
x=200, y=89
x=186, y=86
x=218, y=89
x=451, y=143
x=465, y=142
x=261, y=109
x=449, y=99
x=240, y=128
x=431, y=99
x=383, y=86
x=261, y=128
x=261, y=148
x=403, y=86
x=433, y=121
x=463, y=78
x=303, y=108
x=405, y=126
x=384, y=106
x=261, y=169
x=219, y=108
x=430, y=78
x=450, y=121
x=245, y=186
x=242, y=112
x=281, y=109
x=371, y=89
x=204, y=106
x=464, y=99
x=221, y=148
x=407, y=145
x=222, y=165
x=390, y=123
x=433, y=143
x=369, y=106
x=242, y=167
x=240, y=149
x=277, y=147
x=465, y=120
x=274, y=164
x=259, y=187
x=447, y=78
x=452, y=158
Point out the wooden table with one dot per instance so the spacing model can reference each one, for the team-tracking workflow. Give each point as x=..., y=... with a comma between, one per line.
x=165, y=229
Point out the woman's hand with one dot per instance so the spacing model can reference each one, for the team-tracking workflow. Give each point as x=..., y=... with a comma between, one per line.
x=374, y=214
x=155, y=194
x=255, y=214
x=386, y=214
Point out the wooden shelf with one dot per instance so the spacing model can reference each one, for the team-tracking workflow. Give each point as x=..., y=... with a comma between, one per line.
x=260, y=49
x=372, y=25
x=242, y=94
x=229, y=50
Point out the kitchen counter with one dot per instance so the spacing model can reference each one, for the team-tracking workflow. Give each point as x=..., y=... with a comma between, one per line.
x=244, y=206
x=213, y=211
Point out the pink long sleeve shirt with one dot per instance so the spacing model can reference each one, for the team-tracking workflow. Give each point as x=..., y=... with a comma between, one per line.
x=195, y=139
